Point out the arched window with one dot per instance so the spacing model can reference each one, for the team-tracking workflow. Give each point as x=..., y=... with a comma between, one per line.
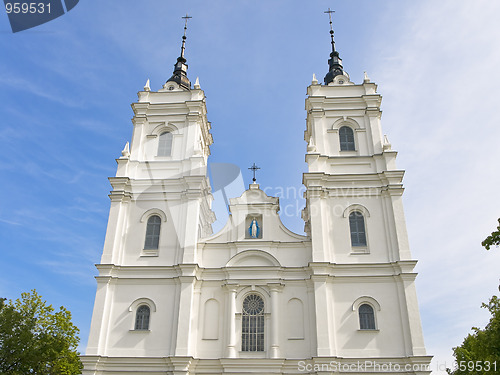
x=357, y=225
x=252, y=325
x=165, y=144
x=152, y=233
x=366, y=317
x=142, y=318
x=346, y=136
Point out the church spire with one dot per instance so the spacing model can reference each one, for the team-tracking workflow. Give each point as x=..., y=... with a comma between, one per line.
x=335, y=62
x=180, y=68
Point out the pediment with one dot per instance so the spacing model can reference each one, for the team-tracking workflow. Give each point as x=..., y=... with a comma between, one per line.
x=254, y=196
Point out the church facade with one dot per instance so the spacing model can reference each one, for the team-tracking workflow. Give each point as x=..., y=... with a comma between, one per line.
x=174, y=298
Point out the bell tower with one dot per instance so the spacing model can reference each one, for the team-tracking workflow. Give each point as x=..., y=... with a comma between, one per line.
x=160, y=206
x=354, y=217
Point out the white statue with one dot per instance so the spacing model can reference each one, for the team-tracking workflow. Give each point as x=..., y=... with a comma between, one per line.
x=254, y=229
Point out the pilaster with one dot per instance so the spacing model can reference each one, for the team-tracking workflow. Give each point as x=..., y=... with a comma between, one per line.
x=411, y=311
x=319, y=225
x=324, y=317
x=275, y=290
x=118, y=213
x=99, y=328
x=231, y=351
x=184, y=345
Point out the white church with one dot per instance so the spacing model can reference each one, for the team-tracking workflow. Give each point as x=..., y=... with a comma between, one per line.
x=175, y=298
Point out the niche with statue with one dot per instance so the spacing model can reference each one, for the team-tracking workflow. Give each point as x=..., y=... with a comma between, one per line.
x=253, y=226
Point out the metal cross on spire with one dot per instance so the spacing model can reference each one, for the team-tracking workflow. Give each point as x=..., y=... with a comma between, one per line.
x=334, y=62
x=186, y=17
x=254, y=169
x=329, y=11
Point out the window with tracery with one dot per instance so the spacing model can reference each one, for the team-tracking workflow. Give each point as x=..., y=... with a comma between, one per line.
x=252, y=324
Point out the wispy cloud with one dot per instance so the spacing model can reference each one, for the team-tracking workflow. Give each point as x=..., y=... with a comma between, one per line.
x=99, y=127
x=439, y=79
x=75, y=270
x=10, y=222
x=46, y=92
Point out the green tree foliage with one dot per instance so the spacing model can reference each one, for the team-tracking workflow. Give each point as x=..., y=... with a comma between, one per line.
x=480, y=351
x=493, y=239
x=36, y=339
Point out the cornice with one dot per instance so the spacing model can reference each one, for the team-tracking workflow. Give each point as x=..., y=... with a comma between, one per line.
x=266, y=274
x=246, y=243
x=185, y=187
x=330, y=181
x=185, y=364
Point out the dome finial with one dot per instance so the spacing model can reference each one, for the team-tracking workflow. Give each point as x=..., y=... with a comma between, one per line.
x=335, y=62
x=180, y=68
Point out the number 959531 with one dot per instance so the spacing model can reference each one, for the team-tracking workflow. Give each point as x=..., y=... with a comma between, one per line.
x=24, y=8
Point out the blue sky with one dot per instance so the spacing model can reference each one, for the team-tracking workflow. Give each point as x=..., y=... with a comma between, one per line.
x=66, y=89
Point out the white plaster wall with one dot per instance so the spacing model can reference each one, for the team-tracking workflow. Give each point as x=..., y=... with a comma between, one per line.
x=136, y=233
x=376, y=226
x=214, y=346
x=388, y=339
x=122, y=339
